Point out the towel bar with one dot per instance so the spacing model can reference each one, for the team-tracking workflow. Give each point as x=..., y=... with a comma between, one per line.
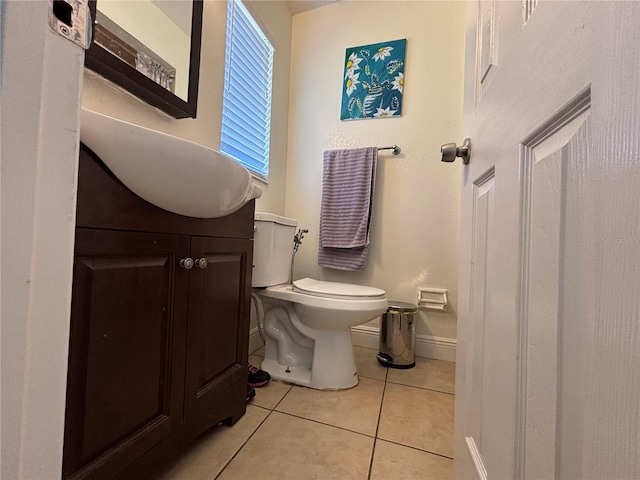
x=395, y=149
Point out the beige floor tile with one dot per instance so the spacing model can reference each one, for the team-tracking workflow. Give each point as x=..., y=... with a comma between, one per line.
x=368, y=365
x=419, y=418
x=286, y=447
x=355, y=409
x=209, y=454
x=270, y=395
x=428, y=373
x=255, y=360
x=391, y=461
x=259, y=352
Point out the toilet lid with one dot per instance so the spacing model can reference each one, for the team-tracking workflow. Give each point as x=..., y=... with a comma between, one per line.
x=319, y=288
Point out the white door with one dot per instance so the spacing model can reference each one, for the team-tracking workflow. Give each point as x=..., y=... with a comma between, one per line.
x=548, y=382
x=40, y=85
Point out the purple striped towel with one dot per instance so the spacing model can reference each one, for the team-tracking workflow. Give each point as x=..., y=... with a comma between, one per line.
x=348, y=181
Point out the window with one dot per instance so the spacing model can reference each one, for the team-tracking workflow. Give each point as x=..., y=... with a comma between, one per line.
x=246, y=105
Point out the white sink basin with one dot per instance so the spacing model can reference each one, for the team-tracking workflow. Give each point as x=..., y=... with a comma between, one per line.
x=169, y=172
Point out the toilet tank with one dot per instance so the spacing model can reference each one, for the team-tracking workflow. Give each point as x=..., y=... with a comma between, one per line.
x=272, y=249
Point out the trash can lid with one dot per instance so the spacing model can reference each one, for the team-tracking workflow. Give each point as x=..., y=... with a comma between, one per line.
x=401, y=307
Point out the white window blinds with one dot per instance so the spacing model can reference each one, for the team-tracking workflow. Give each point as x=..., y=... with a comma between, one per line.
x=246, y=106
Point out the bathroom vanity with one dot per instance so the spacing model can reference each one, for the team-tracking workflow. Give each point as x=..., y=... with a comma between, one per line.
x=159, y=328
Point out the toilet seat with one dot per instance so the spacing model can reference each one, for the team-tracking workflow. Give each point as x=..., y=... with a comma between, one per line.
x=343, y=291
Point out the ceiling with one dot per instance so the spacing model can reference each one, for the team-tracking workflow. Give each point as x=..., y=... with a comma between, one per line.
x=180, y=10
x=299, y=6
x=177, y=10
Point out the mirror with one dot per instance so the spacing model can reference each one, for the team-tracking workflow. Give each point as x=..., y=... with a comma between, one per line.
x=151, y=48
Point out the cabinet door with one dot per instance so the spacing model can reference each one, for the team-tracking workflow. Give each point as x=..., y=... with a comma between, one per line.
x=125, y=388
x=218, y=333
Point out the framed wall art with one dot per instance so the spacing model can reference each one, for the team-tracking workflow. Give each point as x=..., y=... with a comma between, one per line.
x=373, y=81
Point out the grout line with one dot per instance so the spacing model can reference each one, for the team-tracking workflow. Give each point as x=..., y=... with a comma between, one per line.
x=422, y=388
x=409, y=446
x=323, y=423
x=373, y=452
x=242, y=446
x=384, y=389
x=372, y=378
x=416, y=448
x=375, y=438
x=280, y=401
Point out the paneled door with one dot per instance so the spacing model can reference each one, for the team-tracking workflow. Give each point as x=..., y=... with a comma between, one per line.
x=548, y=363
x=125, y=387
x=219, y=302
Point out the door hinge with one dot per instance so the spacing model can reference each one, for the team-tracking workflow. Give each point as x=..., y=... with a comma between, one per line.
x=72, y=20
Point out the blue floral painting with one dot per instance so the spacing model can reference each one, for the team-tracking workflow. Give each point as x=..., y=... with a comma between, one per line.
x=373, y=81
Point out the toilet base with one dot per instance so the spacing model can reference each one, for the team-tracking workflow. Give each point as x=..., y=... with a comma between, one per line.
x=300, y=376
x=333, y=365
x=297, y=375
x=308, y=338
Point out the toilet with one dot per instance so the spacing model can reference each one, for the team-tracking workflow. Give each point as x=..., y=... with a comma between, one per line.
x=307, y=325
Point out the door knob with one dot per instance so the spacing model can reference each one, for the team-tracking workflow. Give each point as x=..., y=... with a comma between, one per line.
x=202, y=262
x=449, y=151
x=187, y=263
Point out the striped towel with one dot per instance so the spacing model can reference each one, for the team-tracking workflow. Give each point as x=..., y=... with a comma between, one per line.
x=348, y=182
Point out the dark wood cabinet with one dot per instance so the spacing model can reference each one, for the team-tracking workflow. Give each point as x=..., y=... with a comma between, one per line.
x=215, y=311
x=127, y=345
x=158, y=353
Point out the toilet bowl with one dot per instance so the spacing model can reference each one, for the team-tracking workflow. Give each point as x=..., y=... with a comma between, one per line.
x=307, y=324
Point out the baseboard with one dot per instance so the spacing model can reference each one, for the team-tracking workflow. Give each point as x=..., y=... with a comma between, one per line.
x=367, y=336
x=426, y=346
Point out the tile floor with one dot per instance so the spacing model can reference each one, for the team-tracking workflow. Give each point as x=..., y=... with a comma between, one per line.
x=396, y=424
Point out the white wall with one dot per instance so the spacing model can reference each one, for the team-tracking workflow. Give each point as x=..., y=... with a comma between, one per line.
x=275, y=18
x=416, y=213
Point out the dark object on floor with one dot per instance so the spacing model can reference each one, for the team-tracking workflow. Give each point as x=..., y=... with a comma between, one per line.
x=257, y=377
x=251, y=392
x=387, y=361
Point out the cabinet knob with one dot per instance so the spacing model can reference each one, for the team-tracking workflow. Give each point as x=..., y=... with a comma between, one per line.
x=202, y=262
x=187, y=263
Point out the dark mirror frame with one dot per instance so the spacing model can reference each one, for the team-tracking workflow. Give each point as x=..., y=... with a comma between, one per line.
x=111, y=67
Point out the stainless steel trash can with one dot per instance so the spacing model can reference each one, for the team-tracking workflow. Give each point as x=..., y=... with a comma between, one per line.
x=398, y=336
